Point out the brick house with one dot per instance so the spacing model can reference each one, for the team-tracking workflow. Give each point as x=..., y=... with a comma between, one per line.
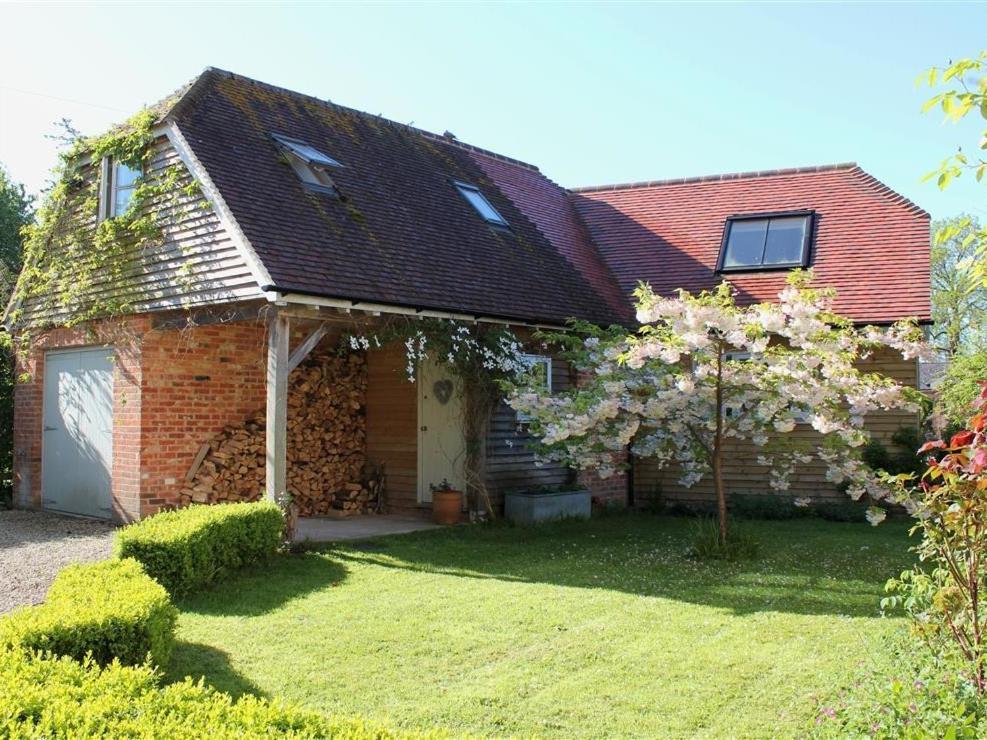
x=317, y=221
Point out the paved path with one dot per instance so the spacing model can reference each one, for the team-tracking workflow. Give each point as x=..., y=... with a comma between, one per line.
x=319, y=529
x=35, y=545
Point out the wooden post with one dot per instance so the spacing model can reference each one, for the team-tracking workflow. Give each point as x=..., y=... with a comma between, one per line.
x=277, y=405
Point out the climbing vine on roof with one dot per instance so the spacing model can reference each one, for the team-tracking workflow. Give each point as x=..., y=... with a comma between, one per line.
x=78, y=268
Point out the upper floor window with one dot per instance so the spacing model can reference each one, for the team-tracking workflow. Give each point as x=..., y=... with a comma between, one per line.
x=119, y=183
x=766, y=242
x=479, y=201
x=308, y=163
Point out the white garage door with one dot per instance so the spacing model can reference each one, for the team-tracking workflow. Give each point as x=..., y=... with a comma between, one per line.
x=77, y=451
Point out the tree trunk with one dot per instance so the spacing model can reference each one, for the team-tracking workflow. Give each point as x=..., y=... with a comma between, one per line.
x=721, y=494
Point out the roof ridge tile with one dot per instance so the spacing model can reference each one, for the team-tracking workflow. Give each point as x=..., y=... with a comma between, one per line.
x=644, y=184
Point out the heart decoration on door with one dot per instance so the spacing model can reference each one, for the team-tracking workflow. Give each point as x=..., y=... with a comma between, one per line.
x=442, y=390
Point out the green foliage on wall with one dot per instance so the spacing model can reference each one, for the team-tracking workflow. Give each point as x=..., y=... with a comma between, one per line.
x=78, y=267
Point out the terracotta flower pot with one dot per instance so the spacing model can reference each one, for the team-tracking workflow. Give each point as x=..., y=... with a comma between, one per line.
x=447, y=507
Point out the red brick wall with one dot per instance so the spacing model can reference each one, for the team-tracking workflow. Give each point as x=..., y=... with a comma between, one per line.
x=605, y=490
x=196, y=381
x=125, y=337
x=172, y=391
x=612, y=490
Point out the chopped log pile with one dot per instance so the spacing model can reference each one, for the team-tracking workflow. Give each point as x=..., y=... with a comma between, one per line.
x=327, y=470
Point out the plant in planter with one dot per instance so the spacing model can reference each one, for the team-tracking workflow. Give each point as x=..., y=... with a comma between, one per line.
x=447, y=503
x=547, y=503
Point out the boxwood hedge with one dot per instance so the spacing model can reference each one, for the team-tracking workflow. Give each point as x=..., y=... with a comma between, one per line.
x=47, y=697
x=110, y=610
x=187, y=548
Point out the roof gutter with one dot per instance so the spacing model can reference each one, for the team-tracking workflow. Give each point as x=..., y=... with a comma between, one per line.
x=310, y=298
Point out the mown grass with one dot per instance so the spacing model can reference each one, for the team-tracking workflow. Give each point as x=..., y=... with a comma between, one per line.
x=602, y=628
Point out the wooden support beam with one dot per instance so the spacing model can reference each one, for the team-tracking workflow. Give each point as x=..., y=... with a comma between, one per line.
x=302, y=350
x=277, y=405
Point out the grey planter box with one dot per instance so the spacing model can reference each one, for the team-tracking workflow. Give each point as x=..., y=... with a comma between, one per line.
x=531, y=508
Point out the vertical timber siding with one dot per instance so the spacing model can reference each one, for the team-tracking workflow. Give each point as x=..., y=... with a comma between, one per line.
x=744, y=476
x=392, y=424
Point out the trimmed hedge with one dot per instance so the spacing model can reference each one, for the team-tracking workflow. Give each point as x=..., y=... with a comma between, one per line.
x=60, y=698
x=109, y=609
x=187, y=548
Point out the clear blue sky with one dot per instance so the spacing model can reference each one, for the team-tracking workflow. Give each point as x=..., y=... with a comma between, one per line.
x=591, y=93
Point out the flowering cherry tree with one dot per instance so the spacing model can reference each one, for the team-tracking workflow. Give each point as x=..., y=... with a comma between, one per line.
x=702, y=371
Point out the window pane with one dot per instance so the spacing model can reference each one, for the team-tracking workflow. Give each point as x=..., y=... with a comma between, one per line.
x=125, y=176
x=305, y=152
x=481, y=204
x=785, y=239
x=745, y=244
x=121, y=200
x=315, y=155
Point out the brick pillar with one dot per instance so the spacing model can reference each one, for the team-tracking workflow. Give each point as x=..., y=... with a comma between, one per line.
x=612, y=490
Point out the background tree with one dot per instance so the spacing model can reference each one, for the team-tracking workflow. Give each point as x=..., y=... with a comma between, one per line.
x=965, y=94
x=703, y=373
x=15, y=213
x=959, y=297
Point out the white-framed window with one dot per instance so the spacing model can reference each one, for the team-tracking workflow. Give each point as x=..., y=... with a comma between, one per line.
x=308, y=163
x=119, y=183
x=479, y=202
x=541, y=368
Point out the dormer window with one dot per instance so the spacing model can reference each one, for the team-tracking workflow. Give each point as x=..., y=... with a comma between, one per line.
x=308, y=163
x=119, y=183
x=770, y=241
x=479, y=201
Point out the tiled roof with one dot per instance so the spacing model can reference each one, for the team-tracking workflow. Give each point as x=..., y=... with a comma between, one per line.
x=402, y=234
x=870, y=243
x=550, y=208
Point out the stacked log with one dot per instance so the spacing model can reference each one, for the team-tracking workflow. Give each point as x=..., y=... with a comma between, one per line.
x=326, y=443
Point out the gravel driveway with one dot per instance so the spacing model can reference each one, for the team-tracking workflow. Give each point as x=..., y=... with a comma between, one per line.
x=35, y=545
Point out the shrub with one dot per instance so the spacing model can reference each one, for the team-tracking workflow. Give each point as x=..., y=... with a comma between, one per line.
x=958, y=389
x=109, y=610
x=60, y=698
x=188, y=548
x=913, y=695
x=766, y=506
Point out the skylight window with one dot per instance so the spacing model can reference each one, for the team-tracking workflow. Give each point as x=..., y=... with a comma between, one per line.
x=766, y=242
x=479, y=201
x=308, y=163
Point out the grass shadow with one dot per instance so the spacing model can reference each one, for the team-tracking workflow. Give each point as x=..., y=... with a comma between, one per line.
x=195, y=660
x=267, y=586
x=805, y=566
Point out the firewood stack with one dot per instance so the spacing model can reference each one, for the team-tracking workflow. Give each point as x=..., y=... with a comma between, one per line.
x=326, y=445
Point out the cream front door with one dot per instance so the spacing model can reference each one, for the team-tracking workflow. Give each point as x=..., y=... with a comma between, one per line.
x=441, y=448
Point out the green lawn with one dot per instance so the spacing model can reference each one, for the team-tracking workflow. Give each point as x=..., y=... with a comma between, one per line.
x=576, y=629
